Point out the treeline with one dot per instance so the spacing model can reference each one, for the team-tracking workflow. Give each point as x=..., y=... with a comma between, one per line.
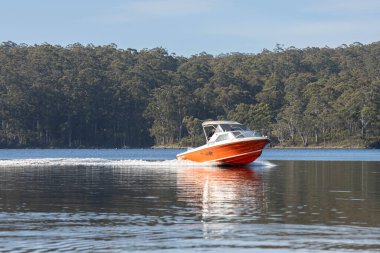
x=103, y=96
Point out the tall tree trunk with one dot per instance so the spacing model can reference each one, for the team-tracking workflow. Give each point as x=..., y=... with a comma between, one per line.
x=316, y=137
x=291, y=132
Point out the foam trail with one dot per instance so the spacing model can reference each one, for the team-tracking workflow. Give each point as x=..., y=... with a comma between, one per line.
x=99, y=162
x=263, y=163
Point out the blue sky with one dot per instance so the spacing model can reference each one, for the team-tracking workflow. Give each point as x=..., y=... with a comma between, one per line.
x=187, y=27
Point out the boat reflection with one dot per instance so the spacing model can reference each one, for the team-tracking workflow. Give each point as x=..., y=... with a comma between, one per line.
x=221, y=196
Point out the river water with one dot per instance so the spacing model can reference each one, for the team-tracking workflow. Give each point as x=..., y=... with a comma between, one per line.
x=144, y=200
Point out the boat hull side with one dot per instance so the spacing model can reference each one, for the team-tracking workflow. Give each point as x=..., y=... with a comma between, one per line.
x=236, y=153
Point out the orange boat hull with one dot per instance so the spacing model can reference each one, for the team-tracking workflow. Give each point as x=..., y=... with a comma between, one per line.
x=233, y=153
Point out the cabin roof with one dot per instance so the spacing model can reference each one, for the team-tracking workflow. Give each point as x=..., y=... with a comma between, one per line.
x=218, y=122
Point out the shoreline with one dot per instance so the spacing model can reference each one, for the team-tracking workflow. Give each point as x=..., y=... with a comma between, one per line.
x=276, y=147
x=180, y=147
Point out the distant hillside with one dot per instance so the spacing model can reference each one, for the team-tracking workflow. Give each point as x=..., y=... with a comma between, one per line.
x=102, y=96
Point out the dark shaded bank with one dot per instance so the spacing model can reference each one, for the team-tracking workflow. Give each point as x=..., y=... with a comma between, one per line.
x=375, y=145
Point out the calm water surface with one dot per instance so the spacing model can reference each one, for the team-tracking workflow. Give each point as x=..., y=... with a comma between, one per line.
x=144, y=201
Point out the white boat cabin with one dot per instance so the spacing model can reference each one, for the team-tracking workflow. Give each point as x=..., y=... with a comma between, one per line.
x=217, y=131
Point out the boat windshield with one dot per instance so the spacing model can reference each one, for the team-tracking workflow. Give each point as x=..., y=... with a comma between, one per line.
x=233, y=127
x=227, y=131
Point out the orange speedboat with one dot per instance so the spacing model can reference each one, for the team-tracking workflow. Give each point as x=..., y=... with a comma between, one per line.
x=228, y=143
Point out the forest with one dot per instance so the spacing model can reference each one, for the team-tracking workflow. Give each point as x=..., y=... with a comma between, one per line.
x=81, y=96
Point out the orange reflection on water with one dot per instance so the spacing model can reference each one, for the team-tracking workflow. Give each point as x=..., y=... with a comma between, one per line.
x=222, y=193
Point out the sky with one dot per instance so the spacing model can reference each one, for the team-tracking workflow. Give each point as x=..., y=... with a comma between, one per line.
x=189, y=27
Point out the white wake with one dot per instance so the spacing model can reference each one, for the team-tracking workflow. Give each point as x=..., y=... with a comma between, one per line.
x=100, y=162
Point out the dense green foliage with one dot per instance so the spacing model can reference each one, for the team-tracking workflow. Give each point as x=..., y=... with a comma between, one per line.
x=102, y=96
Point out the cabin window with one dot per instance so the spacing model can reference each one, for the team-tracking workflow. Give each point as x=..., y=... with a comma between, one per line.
x=239, y=134
x=225, y=127
x=222, y=137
